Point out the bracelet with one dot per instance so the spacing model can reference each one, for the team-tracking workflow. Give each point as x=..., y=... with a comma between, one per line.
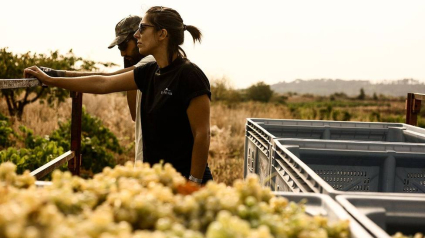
x=196, y=180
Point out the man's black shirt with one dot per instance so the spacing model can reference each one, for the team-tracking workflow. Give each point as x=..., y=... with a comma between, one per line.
x=166, y=94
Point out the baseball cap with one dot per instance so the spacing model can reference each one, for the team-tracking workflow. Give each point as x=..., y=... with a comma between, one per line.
x=126, y=26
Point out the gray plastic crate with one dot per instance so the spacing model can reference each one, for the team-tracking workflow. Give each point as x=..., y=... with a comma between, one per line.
x=337, y=167
x=383, y=216
x=257, y=158
x=269, y=129
x=261, y=133
x=319, y=204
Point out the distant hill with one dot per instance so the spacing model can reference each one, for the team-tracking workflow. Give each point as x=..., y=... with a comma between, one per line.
x=326, y=87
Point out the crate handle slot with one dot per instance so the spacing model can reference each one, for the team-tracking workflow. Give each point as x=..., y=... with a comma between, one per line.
x=311, y=187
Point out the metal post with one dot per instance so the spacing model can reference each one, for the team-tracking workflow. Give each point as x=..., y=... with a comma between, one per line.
x=413, y=107
x=77, y=103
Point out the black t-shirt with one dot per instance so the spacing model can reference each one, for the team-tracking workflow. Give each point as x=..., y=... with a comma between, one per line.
x=166, y=94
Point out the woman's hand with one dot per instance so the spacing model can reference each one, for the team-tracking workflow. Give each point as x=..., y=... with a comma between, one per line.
x=35, y=72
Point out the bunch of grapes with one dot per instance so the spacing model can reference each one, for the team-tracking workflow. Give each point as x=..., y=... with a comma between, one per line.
x=400, y=235
x=8, y=176
x=138, y=201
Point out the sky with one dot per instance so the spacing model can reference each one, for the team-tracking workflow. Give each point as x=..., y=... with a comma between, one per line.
x=243, y=41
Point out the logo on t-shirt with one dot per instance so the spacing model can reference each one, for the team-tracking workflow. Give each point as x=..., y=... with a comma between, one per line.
x=167, y=92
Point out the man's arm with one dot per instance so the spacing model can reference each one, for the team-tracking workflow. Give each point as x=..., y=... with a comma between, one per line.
x=79, y=74
x=66, y=73
x=131, y=101
x=131, y=95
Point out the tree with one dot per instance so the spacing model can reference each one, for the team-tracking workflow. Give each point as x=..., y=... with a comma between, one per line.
x=13, y=65
x=259, y=92
x=375, y=97
x=221, y=90
x=362, y=95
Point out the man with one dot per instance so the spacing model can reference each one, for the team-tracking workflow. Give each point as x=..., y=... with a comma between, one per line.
x=127, y=45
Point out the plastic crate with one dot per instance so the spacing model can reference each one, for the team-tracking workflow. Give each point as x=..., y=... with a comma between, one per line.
x=269, y=129
x=383, y=216
x=337, y=167
x=257, y=159
x=261, y=133
x=319, y=204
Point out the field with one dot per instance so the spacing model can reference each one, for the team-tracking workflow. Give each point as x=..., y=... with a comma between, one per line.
x=227, y=121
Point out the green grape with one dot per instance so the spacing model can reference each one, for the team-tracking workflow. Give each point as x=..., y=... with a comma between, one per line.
x=163, y=224
x=243, y=211
x=250, y=201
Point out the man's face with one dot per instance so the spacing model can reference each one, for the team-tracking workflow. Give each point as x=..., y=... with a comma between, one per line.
x=130, y=53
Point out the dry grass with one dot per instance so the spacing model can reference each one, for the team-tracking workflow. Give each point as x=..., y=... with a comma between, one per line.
x=228, y=136
x=227, y=125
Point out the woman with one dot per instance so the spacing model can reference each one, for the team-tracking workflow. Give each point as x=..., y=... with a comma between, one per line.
x=175, y=94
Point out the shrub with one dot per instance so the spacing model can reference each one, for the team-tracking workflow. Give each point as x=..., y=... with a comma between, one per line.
x=38, y=152
x=97, y=142
x=259, y=92
x=7, y=134
x=98, y=145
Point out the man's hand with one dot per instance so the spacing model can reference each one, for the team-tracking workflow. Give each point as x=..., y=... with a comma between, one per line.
x=52, y=72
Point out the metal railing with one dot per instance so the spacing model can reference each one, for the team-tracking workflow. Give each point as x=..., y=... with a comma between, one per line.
x=413, y=107
x=73, y=157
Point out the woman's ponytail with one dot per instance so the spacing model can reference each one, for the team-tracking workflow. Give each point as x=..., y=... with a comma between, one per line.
x=195, y=32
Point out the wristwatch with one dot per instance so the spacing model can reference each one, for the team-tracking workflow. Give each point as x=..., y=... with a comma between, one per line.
x=195, y=180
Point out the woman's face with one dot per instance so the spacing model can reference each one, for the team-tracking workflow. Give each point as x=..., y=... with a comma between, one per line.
x=146, y=37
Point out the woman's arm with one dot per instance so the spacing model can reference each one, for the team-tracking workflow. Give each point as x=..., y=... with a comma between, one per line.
x=131, y=95
x=88, y=84
x=199, y=118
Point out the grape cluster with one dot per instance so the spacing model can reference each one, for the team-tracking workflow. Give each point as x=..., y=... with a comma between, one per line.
x=8, y=176
x=400, y=235
x=138, y=201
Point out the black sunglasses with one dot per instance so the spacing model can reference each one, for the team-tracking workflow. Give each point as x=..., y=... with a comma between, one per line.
x=123, y=46
x=142, y=27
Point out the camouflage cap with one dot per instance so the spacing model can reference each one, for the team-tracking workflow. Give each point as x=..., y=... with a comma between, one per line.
x=126, y=26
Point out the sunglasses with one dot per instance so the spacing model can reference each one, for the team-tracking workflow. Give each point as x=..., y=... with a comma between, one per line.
x=143, y=26
x=123, y=46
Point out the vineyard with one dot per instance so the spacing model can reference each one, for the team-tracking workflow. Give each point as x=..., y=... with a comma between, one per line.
x=113, y=197
x=227, y=124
